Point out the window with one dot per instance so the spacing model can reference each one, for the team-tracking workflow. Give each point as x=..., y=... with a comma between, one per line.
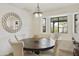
x=58, y=24
x=75, y=23
x=43, y=24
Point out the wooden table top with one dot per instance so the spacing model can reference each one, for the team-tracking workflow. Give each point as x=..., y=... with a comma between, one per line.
x=38, y=43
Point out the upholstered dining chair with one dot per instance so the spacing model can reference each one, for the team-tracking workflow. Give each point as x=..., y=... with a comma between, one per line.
x=17, y=48
x=17, y=39
x=63, y=48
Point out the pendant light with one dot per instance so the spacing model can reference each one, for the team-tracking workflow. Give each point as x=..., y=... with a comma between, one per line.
x=38, y=13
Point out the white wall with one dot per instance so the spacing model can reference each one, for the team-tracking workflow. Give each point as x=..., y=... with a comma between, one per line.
x=69, y=11
x=25, y=30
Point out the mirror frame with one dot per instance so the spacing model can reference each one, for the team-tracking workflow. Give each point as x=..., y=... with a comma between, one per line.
x=6, y=17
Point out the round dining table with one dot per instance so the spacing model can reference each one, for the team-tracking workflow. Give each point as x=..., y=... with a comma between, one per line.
x=38, y=44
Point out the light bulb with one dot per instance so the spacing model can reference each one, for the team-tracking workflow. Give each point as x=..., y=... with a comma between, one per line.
x=36, y=15
x=40, y=14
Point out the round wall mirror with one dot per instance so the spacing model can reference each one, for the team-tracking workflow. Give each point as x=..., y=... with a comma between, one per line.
x=11, y=22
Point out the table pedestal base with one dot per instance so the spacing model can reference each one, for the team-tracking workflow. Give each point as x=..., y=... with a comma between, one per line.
x=37, y=52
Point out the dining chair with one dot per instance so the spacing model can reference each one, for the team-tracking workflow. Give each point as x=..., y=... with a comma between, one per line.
x=63, y=48
x=17, y=48
x=76, y=47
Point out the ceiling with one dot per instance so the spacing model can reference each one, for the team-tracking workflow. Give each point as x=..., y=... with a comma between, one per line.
x=43, y=6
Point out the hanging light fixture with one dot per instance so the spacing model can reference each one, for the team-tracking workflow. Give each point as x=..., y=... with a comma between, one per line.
x=38, y=13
